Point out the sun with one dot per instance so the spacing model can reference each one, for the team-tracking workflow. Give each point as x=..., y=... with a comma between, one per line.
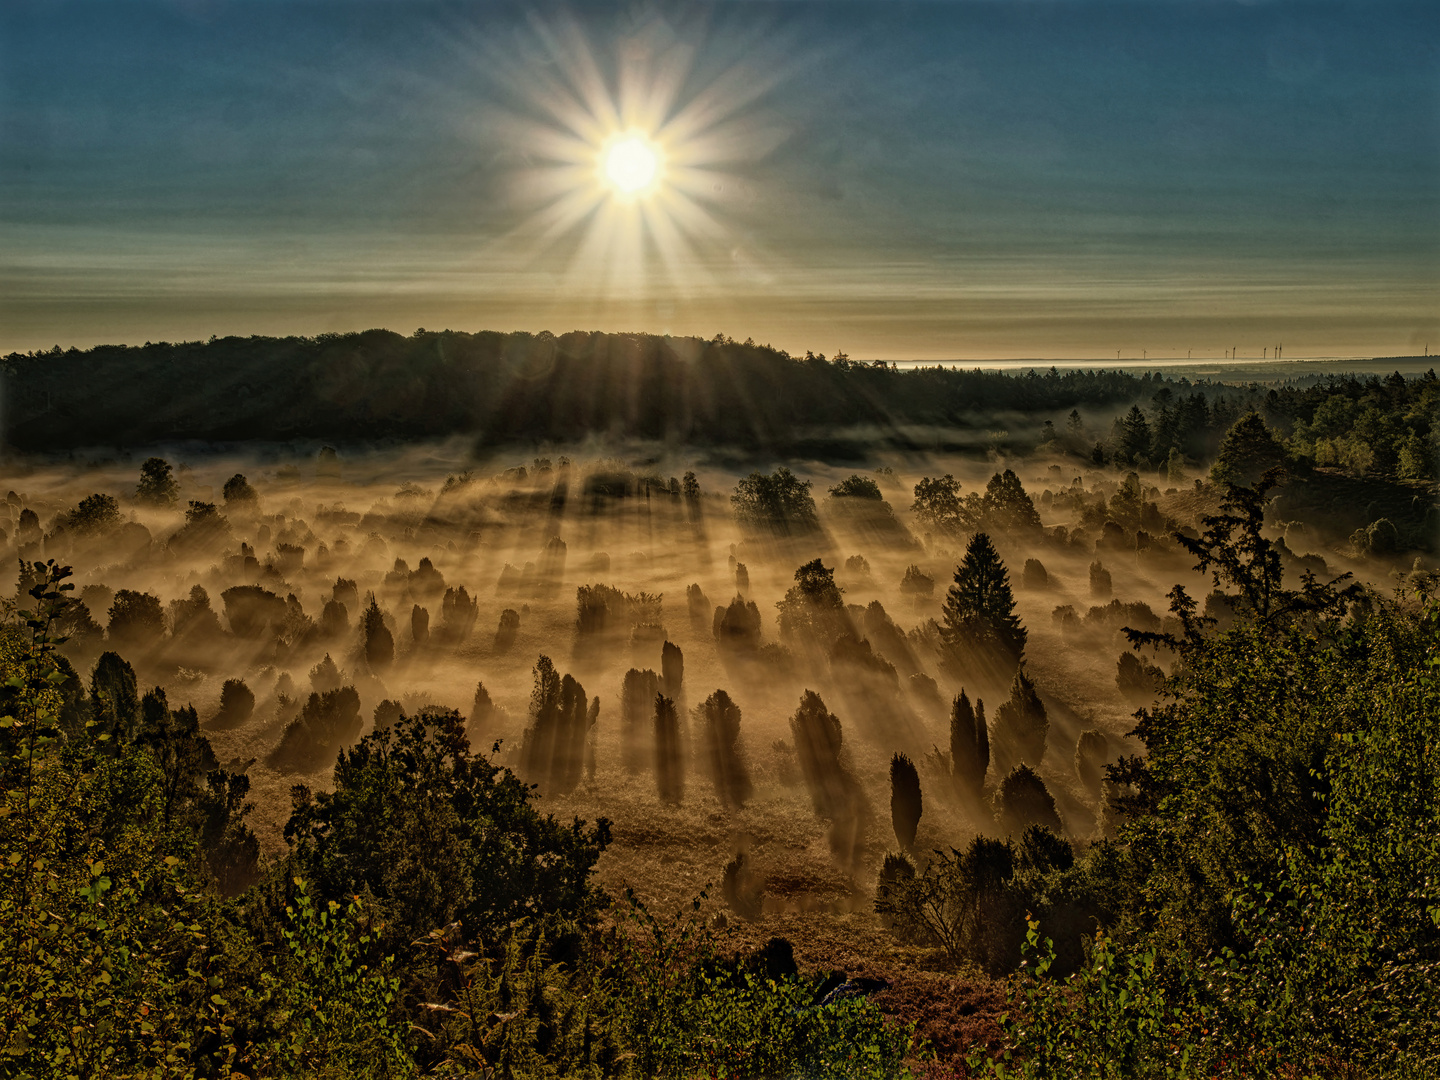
x=631, y=164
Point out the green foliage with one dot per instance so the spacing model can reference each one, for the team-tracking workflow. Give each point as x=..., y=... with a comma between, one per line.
x=436, y=834
x=333, y=997
x=686, y=1015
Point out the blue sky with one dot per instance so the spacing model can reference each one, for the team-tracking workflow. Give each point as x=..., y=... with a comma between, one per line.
x=956, y=180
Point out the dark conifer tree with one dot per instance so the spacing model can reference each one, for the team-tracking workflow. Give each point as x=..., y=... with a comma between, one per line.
x=905, y=801
x=172, y=736
x=817, y=736
x=637, y=702
x=969, y=746
x=568, y=752
x=379, y=642
x=1091, y=752
x=482, y=711
x=114, y=698
x=592, y=726
x=719, y=718
x=669, y=769
x=1021, y=725
x=979, y=612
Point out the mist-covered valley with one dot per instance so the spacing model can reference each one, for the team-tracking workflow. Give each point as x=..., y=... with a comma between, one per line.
x=298, y=603
x=858, y=724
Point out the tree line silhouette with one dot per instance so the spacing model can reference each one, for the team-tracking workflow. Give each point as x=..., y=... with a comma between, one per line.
x=508, y=388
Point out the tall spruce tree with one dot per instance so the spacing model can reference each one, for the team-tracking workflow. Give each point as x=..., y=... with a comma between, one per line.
x=979, y=613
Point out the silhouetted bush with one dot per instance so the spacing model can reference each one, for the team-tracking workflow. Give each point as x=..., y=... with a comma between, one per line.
x=888, y=639
x=426, y=583
x=1034, y=575
x=697, y=604
x=1005, y=506
x=1137, y=678
x=325, y=676
x=327, y=722
x=777, y=503
x=193, y=621
x=813, y=610
x=157, y=483
x=458, y=612
x=742, y=888
x=334, y=620
x=379, y=642
x=114, y=699
x=136, y=620
x=737, y=627
x=507, y=630
x=817, y=735
x=896, y=873
x=387, y=714
x=553, y=747
x=253, y=612
x=238, y=493
x=237, y=704
x=1100, y=586
x=1023, y=800
x=95, y=515
x=482, y=712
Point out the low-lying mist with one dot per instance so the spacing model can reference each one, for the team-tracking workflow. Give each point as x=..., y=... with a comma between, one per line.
x=727, y=680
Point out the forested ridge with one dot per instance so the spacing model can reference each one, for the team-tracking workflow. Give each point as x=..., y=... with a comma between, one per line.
x=516, y=387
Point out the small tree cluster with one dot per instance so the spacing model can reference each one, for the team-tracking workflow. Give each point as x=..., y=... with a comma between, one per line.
x=553, y=747
x=969, y=746
x=326, y=723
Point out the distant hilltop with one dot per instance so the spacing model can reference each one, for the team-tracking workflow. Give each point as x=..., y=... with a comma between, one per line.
x=516, y=388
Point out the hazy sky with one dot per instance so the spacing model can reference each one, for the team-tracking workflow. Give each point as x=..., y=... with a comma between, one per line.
x=966, y=179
